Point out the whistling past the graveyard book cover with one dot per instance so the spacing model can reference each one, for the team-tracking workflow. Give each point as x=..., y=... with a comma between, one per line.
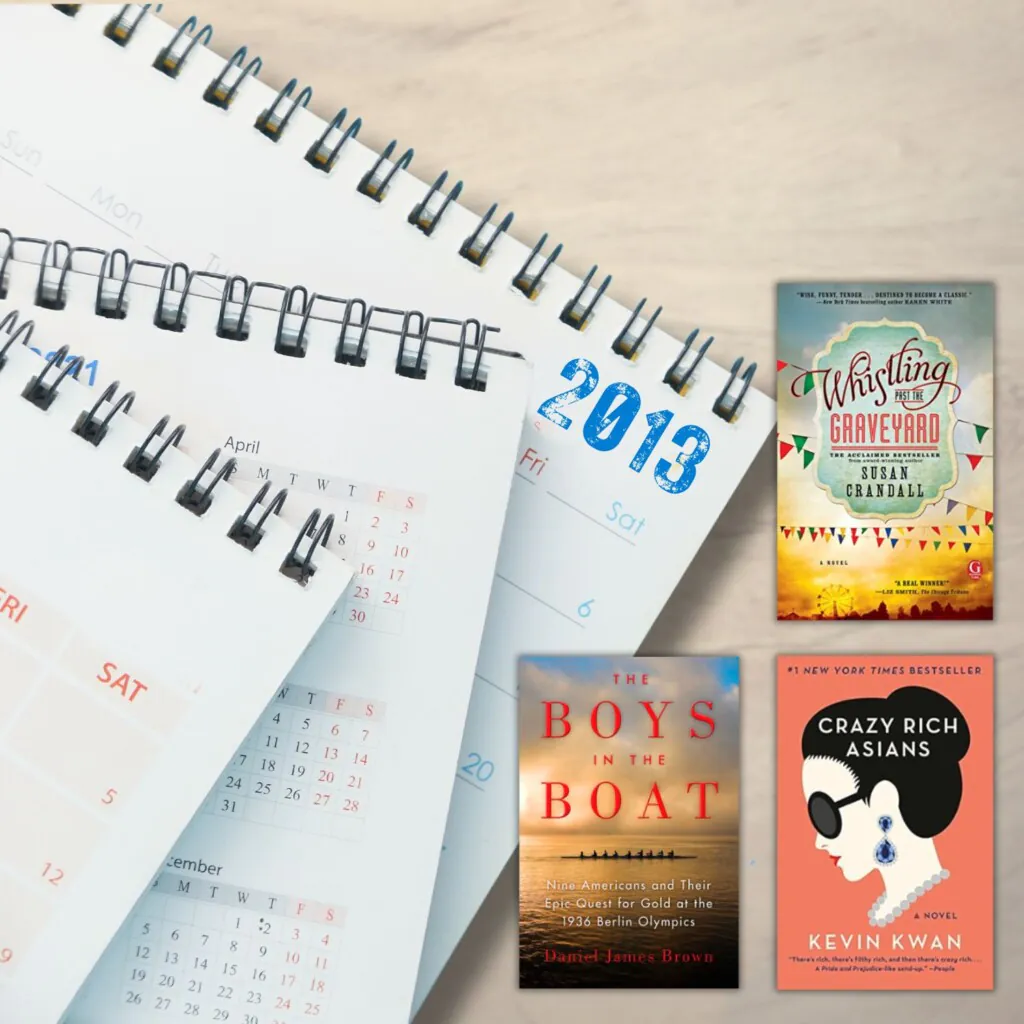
x=885, y=826
x=885, y=451
x=628, y=822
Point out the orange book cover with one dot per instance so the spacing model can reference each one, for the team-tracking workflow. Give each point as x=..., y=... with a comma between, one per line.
x=885, y=827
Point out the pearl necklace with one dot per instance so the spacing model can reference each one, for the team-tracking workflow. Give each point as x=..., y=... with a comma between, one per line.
x=904, y=904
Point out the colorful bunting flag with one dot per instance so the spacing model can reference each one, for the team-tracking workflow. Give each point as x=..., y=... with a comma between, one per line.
x=808, y=457
x=980, y=430
x=799, y=440
x=780, y=365
x=974, y=460
x=784, y=449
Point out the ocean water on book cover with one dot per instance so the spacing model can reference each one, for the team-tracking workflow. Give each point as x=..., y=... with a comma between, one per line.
x=629, y=822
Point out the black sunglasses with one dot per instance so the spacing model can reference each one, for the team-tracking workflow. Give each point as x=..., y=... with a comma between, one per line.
x=824, y=813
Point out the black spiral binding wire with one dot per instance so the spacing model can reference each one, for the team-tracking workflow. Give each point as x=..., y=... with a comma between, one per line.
x=295, y=306
x=425, y=215
x=196, y=495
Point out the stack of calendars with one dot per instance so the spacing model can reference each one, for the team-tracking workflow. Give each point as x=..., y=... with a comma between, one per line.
x=258, y=717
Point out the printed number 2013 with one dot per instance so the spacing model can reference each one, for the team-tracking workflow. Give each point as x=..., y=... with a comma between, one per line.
x=613, y=414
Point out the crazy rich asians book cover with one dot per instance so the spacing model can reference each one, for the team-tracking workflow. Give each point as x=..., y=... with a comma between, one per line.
x=885, y=451
x=628, y=822
x=885, y=827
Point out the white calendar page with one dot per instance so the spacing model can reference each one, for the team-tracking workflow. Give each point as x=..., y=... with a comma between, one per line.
x=338, y=798
x=123, y=687
x=577, y=501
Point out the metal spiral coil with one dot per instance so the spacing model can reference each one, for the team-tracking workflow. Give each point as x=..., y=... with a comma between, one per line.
x=42, y=394
x=425, y=215
x=93, y=429
x=300, y=567
x=196, y=494
x=10, y=325
x=249, y=534
x=295, y=306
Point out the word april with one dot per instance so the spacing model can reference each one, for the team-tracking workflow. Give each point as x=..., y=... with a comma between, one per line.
x=123, y=682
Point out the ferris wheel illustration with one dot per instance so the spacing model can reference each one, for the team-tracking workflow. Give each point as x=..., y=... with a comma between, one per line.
x=835, y=602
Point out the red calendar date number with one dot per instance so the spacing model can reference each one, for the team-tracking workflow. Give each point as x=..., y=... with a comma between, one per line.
x=52, y=874
x=6, y=955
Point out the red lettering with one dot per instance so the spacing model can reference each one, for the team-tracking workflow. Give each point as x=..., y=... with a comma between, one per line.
x=12, y=607
x=698, y=717
x=123, y=683
x=616, y=718
x=550, y=719
x=703, y=786
x=655, y=798
x=617, y=799
x=656, y=718
x=549, y=800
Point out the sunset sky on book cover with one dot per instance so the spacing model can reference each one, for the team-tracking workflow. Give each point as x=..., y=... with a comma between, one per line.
x=885, y=451
x=885, y=822
x=629, y=822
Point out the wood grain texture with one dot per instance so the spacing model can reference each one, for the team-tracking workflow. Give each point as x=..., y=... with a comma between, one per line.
x=699, y=150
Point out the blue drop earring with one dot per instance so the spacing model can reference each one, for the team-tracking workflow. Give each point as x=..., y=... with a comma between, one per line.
x=885, y=851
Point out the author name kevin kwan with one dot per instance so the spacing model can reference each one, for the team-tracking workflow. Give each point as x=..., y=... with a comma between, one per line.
x=898, y=940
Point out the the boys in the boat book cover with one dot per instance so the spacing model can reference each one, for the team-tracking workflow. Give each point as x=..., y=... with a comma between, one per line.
x=628, y=822
x=885, y=827
x=885, y=451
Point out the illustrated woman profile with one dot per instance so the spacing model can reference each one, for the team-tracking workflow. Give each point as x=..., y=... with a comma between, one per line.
x=881, y=776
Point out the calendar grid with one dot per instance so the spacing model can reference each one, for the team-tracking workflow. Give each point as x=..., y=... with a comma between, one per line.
x=308, y=764
x=55, y=811
x=202, y=949
x=377, y=532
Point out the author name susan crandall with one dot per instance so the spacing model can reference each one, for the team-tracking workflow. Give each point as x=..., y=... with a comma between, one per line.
x=619, y=956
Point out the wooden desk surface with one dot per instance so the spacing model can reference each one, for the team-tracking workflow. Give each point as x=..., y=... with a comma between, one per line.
x=699, y=151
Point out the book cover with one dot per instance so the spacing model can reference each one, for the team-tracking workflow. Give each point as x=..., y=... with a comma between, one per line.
x=885, y=827
x=885, y=451
x=628, y=822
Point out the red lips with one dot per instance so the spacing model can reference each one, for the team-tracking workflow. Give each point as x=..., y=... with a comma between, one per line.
x=835, y=860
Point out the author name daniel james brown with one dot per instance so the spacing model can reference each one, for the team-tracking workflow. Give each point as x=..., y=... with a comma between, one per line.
x=617, y=956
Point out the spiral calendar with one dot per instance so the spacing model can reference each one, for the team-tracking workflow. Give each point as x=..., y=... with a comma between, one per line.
x=404, y=429
x=118, y=706
x=633, y=442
